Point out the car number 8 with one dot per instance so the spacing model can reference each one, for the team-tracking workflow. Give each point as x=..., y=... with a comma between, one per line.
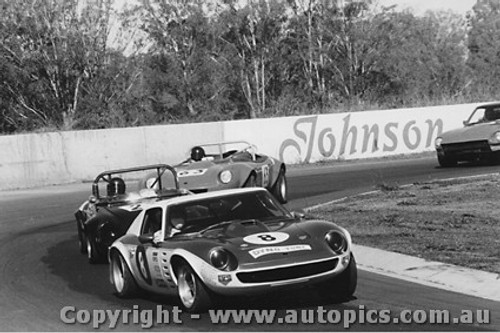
x=265, y=238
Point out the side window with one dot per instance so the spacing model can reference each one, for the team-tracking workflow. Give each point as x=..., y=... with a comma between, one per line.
x=176, y=221
x=152, y=221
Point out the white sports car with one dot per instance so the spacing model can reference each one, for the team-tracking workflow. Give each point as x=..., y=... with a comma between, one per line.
x=229, y=242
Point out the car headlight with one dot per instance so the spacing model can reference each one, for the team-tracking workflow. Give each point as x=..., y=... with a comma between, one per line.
x=438, y=142
x=225, y=176
x=222, y=259
x=495, y=138
x=336, y=241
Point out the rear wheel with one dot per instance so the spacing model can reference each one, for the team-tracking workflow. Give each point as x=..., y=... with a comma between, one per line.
x=280, y=189
x=193, y=294
x=121, y=277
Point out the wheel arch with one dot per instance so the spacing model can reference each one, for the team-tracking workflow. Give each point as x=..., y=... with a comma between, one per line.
x=120, y=250
x=176, y=261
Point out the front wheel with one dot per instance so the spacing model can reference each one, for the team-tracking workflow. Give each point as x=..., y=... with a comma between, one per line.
x=82, y=242
x=192, y=292
x=121, y=277
x=343, y=286
x=92, y=253
x=280, y=189
x=446, y=162
x=347, y=281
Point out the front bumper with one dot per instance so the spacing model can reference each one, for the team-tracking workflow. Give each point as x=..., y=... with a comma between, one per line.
x=467, y=150
x=241, y=282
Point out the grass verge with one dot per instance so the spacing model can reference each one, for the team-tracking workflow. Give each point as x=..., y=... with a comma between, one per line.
x=453, y=221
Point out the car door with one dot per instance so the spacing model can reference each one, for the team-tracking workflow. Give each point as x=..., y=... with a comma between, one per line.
x=150, y=259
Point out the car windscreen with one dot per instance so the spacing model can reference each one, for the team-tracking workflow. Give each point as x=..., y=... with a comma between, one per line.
x=201, y=214
x=484, y=114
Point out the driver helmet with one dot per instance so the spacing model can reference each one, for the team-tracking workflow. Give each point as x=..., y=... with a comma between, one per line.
x=116, y=186
x=197, y=153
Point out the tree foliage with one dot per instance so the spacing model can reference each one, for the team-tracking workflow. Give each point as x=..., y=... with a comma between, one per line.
x=66, y=65
x=484, y=46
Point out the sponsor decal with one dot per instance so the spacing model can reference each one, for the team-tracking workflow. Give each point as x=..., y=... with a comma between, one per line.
x=191, y=173
x=312, y=137
x=256, y=253
x=266, y=238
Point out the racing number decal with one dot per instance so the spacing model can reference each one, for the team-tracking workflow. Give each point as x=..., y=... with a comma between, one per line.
x=265, y=175
x=265, y=238
x=142, y=264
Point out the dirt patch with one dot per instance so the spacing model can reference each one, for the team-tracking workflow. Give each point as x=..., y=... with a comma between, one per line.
x=452, y=221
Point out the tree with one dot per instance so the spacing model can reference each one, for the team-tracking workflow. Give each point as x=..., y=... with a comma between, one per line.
x=252, y=36
x=422, y=58
x=51, y=48
x=484, y=46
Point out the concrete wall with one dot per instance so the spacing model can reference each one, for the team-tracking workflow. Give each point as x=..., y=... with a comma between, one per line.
x=349, y=135
x=50, y=158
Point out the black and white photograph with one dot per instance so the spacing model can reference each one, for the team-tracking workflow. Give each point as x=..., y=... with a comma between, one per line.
x=249, y=165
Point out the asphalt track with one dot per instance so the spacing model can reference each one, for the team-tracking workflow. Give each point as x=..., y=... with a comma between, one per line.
x=41, y=271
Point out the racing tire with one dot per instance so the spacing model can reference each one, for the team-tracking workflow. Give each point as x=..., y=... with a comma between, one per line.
x=92, y=254
x=193, y=293
x=251, y=181
x=121, y=278
x=82, y=242
x=446, y=162
x=280, y=188
x=343, y=286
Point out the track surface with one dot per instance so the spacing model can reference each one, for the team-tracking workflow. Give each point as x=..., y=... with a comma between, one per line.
x=41, y=270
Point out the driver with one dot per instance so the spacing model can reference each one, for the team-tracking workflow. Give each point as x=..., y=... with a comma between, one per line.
x=197, y=153
x=177, y=221
x=116, y=186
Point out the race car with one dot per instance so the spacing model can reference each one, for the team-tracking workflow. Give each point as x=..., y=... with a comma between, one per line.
x=102, y=219
x=479, y=139
x=233, y=164
x=226, y=243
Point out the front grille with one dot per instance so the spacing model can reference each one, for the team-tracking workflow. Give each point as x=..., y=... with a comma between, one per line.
x=287, y=273
x=467, y=147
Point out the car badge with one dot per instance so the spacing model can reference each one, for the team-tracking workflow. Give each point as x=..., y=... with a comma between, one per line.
x=302, y=237
x=225, y=279
x=244, y=245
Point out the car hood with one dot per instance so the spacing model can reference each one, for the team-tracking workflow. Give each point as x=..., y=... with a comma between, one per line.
x=471, y=133
x=256, y=244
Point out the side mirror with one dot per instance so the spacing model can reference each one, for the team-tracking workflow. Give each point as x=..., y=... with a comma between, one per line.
x=146, y=238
